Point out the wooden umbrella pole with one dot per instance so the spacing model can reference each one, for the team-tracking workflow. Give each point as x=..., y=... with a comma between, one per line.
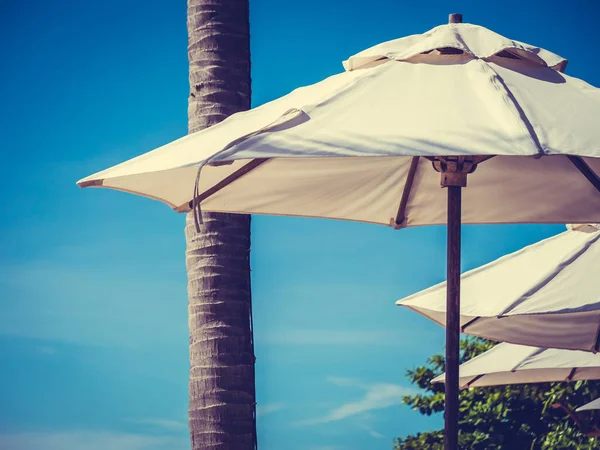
x=454, y=178
x=452, y=319
x=454, y=171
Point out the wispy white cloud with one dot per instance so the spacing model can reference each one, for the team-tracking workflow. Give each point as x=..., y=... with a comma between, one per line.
x=376, y=396
x=268, y=408
x=348, y=382
x=162, y=423
x=90, y=440
x=364, y=422
x=375, y=434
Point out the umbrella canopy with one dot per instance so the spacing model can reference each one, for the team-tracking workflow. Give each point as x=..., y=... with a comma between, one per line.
x=357, y=146
x=545, y=294
x=517, y=364
x=590, y=406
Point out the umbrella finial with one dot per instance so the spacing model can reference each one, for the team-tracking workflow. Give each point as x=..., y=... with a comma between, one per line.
x=455, y=18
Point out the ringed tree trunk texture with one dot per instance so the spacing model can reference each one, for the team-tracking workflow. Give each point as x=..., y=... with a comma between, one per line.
x=222, y=408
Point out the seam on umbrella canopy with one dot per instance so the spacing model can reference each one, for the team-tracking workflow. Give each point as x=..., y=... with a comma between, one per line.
x=533, y=354
x=498, y=348
x=512, y=104
x=500, y=261
x=570, y=364
x=227, y=153
x=528, y=133
x=543, y=282
x=476, y=271
x=515, y=113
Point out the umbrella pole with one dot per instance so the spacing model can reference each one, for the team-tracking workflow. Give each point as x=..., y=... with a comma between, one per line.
x=454, y=171
x=452, y=318
x=454, y=185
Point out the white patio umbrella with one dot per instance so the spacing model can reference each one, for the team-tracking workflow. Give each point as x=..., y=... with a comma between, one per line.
x=595, y=404
x=360, y=145
x=518, y=364
x=546, y=294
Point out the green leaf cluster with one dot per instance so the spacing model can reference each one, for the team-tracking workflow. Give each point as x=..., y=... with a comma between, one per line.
x=512, y=417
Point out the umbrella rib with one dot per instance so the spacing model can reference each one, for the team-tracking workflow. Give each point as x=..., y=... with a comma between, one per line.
x=549, y=277
x=401, y=215
x=597, y=343
x=514, y=106
x=475, y=379
x=470, y=322
x=585, y=170
x=228, y=180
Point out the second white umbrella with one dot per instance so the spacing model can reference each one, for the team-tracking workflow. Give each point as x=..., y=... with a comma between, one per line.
x=543, y=295
x=590, y=406
x=518, y=364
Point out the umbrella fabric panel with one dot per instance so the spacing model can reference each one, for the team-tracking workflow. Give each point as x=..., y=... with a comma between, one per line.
x=532, y=376
x=359, y=189
x=573, y=286
x=590, y=406
x=500, y=358
x=519, y=377
x=447, y=106
x=515, y=364
x=341, y=98
x=170, y=186
x=515, y=279
x=370, y=189
x=572, y=331
x=509, y=189
x=586, y=373
x=438, y=107
x=197, y=147
x=562, y=110
x=545, y=358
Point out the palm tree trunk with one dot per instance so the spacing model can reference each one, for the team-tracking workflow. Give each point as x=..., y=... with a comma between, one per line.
x=222, y=396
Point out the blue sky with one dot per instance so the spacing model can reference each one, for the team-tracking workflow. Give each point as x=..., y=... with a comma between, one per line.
x=93, y=307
